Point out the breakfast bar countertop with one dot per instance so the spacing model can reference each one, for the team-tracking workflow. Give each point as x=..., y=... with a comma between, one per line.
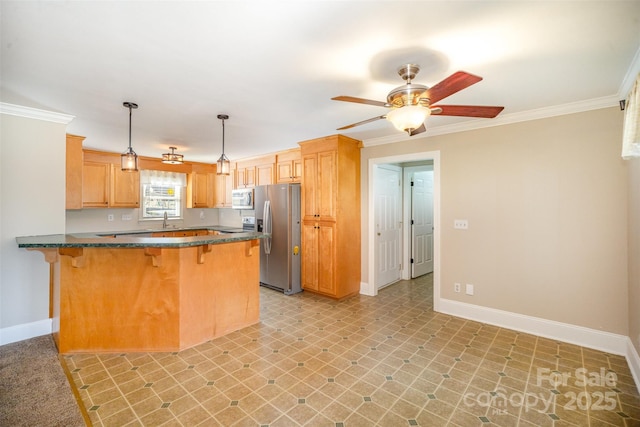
x=138, y=238
x=146, y=290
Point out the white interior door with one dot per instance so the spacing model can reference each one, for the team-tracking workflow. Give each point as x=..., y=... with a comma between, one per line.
x=422, y=223
x=388, y=224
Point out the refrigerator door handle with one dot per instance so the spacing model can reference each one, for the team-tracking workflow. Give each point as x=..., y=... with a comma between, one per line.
x=267, y=226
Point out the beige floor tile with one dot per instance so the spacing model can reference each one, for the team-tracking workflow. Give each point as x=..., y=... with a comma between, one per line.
x=383, y=361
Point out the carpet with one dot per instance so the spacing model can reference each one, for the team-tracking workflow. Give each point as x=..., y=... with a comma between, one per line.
x=34, y=390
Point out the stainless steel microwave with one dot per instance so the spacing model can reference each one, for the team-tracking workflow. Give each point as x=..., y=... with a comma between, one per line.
x=242, y=198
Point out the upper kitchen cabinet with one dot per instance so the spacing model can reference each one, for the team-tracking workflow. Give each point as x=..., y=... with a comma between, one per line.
x=288, y=166
x=265, y=173
x=124, y=191
x=95, y=184
x=201, y=186
x=331, y=216
x=255, y=171
x=224, y=184
x=74, y=160
x=105, y=185
x=319, y=195
x=245, y=176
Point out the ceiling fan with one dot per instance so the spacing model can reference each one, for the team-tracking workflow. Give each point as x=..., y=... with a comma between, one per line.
x=412, y=103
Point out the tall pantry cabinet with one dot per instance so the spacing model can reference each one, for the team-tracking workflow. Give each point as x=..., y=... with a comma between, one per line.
x=331, y=216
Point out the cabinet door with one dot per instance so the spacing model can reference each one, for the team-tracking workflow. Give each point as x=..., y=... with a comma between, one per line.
x=201, y=190
x=246, y=177
x=223, y=188
x=264, y=174
x=309, y=191
x=74, y=161
x=289, y=171
x=95, y=184
x=125, y=188
x=240, y=178
x=309, y=258
x=250, y=177
x=326, y=258
x=284, y=172
x=297, y=170
x=326, y=186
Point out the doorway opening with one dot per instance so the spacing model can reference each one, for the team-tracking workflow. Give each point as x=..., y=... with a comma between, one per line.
x=416, y=239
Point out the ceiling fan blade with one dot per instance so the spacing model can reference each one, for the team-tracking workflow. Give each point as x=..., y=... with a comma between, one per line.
x=416, y=131
x=466, y=110
x=361, y=101
x=452, y=84
x=362, y=122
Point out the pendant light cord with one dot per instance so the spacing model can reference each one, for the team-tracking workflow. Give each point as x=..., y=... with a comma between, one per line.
x=223, y=137
x=129, y=127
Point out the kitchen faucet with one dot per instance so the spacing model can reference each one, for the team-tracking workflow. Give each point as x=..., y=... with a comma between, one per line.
x=164, y=223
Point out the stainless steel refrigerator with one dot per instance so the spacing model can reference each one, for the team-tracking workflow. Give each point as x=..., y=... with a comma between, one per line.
x=277, y=211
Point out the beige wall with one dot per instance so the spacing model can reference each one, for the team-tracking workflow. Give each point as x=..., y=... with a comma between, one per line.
x=546, y=202
x=32, y=190
x=634, y=252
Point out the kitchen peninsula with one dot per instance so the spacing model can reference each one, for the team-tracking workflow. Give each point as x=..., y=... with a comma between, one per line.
x=161, y=290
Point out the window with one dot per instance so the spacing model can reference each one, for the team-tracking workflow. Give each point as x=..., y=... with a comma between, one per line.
x=161, y=192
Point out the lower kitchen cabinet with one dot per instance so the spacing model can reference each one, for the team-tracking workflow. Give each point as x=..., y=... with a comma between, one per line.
x=318, y=257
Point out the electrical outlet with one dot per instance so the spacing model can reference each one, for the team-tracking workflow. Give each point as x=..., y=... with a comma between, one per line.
x=201, y=214
x=456, y=287
x=110, y=217
x=469, y=289
x=126, y=217
x=460, y=224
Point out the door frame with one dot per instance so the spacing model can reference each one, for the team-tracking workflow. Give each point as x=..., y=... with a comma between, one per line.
x=412, y=157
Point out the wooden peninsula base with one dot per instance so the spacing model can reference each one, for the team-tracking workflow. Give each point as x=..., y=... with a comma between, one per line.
x=109, y=299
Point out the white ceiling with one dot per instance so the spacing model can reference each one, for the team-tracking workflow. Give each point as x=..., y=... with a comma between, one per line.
x=273, y=66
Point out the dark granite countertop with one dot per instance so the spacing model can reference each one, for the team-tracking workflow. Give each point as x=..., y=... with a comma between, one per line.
x=137, y=238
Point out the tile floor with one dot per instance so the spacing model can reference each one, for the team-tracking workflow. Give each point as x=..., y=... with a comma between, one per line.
x=383, y=361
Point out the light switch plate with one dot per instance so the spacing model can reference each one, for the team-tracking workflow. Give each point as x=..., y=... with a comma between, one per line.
x=460, y=224
x=469, y=289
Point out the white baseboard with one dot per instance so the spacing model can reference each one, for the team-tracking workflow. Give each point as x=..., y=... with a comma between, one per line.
x=25, y=331
x=579, y=335
x=366, y=289
x=633, y=359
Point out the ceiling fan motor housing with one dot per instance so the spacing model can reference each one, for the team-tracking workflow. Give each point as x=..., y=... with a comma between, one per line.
x=408, y=94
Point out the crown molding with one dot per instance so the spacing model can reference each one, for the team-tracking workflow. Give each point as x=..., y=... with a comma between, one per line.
x=34, y=113
x=524, y=116
x=630, y=77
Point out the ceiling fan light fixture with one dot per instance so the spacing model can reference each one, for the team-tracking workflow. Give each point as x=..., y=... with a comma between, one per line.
x=408, y=118
x=172, y=158
x=129, y=159
x=223, y=164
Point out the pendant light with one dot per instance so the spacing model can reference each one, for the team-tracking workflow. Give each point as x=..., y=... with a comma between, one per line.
x=129, y=159
x=224, y=165
x=172, y=158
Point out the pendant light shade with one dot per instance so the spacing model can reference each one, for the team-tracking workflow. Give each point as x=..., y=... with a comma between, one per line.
x=172, y=158
x=223, y=164
x=129, y=159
